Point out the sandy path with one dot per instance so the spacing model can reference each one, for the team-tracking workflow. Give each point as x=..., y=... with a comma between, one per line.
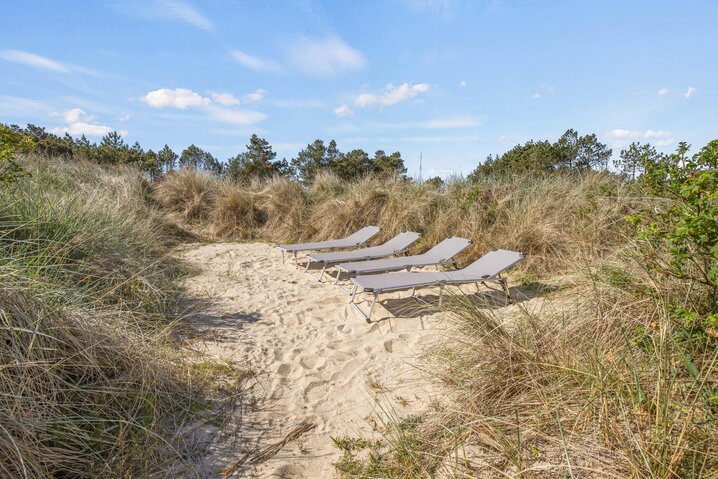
x=314, y=358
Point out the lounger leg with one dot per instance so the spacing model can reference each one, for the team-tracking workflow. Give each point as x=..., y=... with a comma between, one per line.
x=306, y=268
x=283, y=257
x=367, y=317
x=336, y=280
x=371, y=308
x=321, y=275
x=353, y=294
x=441, y=295
x=296, y=261
x=505, y=285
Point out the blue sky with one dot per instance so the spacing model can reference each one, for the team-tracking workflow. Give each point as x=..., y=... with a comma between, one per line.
x=452, y=80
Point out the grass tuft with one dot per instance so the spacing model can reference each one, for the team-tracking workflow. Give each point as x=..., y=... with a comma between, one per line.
x=87, y=294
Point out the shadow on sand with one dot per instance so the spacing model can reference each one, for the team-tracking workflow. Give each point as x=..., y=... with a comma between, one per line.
x=409, y=307
x=199, y=318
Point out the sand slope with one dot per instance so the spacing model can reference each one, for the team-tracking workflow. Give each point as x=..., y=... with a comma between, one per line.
x=315, y=360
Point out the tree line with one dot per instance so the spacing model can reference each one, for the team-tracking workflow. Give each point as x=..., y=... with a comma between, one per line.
x=259, y=160
x=570, y=152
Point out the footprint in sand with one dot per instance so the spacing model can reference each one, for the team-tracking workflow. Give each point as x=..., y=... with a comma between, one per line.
x=288, y=471
x=284, y=370
x=312, y=362
x=341, y=356
x=395, y=345
x=314, y=390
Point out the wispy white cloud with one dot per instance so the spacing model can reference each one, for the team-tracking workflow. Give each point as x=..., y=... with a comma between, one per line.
x=256, y=96
x=235, y=117
x=662, y=92
x=170, y=10
x=17, y=107
x=174, y=98
x=78, y=123
x=255, y=63
x=176, y=10
x=83, y=128
x=343, y=111
x=622, y=134
x=620, y=137
x=33, y=60
x=218, y=107
x=226, y=99
x=658, y=134
x=689, y=93
x=325, y=57
x=74, y=115
x=543, y=90
x=462, y=83
x=391, y=96
x=40, y=62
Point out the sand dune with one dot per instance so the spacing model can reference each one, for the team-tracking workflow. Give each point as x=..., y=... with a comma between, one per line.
x=315, y=360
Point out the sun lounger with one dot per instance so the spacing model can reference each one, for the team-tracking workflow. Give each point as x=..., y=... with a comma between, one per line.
x=360, y=238
x=487, y=268
x=398, y=244
x=440, y=255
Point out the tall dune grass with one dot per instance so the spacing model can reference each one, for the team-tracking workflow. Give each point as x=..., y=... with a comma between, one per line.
x=600, y=382
x=86, y=290
x=554, y=219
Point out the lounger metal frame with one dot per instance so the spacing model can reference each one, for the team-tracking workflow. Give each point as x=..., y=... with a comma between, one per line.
x=446, y=262
x=375, y=294
x=330, y=248
x=498, y=278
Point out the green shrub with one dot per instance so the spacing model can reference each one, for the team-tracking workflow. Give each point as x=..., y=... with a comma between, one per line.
x=680, y=237
x=12, y=143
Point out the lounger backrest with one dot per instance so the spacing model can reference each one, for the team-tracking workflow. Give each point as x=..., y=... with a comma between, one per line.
x=493, y=263
x=447, y=249
x=364, y=234
x=401, y=241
